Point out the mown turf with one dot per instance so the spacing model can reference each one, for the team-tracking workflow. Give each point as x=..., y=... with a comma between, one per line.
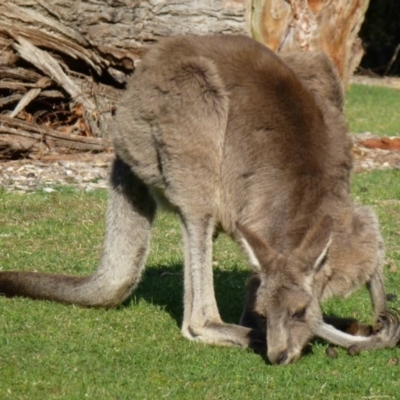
x=373, y=109
x=55, y=351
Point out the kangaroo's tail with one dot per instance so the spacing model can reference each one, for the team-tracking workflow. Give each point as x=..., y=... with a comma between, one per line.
x=130, y=213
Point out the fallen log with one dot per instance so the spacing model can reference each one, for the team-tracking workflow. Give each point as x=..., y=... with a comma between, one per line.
x=33, y=141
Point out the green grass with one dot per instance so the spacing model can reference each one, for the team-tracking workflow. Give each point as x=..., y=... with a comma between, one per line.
x=55, y=351
x=373, y=109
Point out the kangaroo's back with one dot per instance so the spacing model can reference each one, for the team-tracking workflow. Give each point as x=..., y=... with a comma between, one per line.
x=276, y=146
x=286, y=151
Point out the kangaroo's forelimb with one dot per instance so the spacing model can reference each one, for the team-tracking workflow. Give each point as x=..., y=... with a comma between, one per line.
x=386, y=338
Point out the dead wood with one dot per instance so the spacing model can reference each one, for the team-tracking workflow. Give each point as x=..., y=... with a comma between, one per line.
x=51, y=94
x=25, y=138
x=392, y=60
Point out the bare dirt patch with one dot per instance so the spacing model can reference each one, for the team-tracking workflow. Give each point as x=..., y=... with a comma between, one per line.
x=387, y=81
x=369, y=152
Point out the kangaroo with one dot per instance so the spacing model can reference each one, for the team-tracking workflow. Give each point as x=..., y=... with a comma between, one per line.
x=229, y=136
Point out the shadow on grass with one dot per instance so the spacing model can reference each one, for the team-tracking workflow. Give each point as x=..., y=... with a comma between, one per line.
x=163, y=286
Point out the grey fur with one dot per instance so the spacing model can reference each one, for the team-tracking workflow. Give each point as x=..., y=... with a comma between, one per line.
x=221, y=130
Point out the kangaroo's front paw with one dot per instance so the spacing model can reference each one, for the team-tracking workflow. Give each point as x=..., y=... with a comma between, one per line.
x=257, y=341
x=387, y=328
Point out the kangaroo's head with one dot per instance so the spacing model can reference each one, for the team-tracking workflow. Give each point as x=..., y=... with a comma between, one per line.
x=282, y=298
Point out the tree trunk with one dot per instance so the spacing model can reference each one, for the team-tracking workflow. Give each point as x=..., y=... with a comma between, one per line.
x=63, y=63
x=330, y=25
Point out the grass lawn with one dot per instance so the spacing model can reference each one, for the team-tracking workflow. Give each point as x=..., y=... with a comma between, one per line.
x=54, y=351
x=373, y=109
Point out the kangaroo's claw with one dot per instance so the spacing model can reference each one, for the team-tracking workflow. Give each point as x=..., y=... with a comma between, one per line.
x=389, y=332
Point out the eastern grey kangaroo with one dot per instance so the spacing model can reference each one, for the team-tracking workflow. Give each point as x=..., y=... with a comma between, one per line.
x=232, y=137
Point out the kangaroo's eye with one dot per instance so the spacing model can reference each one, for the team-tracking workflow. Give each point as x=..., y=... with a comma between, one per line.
x=299, y=314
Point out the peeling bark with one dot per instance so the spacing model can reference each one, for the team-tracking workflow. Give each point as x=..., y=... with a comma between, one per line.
x=330, y=25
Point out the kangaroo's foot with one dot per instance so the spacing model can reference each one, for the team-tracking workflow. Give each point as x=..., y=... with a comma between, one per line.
x=222, y=334
x=387, y=328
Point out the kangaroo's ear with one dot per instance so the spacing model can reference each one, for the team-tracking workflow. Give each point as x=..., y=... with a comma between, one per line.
x=258, y=251
x=315, y=245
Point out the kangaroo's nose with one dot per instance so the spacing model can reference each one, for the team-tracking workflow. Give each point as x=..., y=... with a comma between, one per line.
x=282, y=357
x=279, y=356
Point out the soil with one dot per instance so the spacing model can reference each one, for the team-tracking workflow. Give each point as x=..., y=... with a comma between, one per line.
x=376, y=80
x=373, y=152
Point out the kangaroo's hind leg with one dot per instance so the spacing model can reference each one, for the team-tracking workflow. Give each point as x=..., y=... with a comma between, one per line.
x=190, y=147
